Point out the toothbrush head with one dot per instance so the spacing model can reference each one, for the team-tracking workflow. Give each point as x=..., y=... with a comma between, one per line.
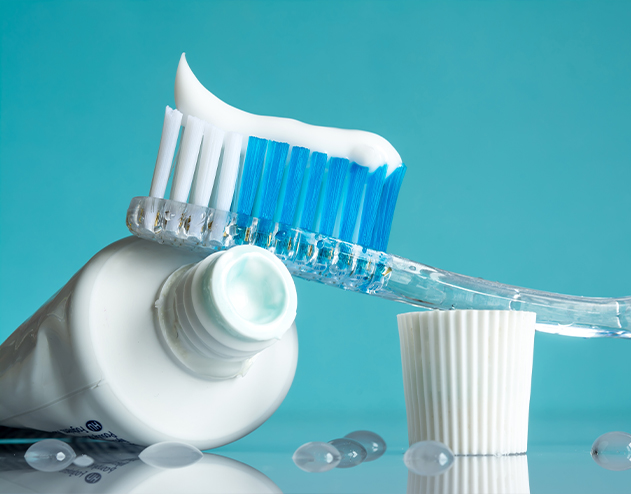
x=243, y=178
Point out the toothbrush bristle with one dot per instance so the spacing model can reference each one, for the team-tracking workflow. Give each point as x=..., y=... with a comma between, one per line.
x=189, y=152
x=312, y=190
x=356, y=181
x=271, y=180
x=168, y=141
x=335, y=176
x=254, y=158
x=385, y=212
x=269, y=187
x=291, y=189
x=374, y=186
x=227, y=174
x=207, y=166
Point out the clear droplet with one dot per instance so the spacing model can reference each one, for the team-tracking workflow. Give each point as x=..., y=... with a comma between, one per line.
x=83, y=461
x=373, y=443
x=317, y=457
x=613, y=451
x=352, y=452
x=170, y=454
x=50, y=455
x=428, y=458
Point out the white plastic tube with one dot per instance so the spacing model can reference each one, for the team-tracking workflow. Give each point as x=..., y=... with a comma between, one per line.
x=146, y=343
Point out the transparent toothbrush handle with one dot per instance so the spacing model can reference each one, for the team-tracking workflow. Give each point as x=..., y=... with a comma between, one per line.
x=317, y=257
x=423, y=286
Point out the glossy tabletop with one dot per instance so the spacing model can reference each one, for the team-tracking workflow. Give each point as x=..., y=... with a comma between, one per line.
x=558, y=461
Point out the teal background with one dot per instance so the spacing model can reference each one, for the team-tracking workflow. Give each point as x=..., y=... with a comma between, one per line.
x=514, y=119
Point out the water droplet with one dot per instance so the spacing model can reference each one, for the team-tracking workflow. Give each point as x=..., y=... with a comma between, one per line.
x=50, y=455
x=170, y=454
x=613, y=451
x=373, y=443
x=316, y=457
x=428, y=458
x=352, y=452
x=83, y=461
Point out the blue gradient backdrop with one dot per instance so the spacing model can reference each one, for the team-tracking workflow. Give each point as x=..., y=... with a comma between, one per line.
x=514, y=119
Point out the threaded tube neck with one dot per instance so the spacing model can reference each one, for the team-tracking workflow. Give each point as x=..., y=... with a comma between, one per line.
x=216, y=315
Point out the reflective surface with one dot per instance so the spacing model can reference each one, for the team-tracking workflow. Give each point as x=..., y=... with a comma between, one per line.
x=558, y=461
x=117, y=468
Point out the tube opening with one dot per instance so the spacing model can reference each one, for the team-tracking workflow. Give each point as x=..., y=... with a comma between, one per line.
x=255, y=289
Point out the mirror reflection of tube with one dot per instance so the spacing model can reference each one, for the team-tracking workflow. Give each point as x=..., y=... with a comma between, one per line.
x=117, y=468
x=476, y=475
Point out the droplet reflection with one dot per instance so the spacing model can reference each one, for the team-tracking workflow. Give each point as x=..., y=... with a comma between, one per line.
x=50, y=455
x=170, y=454
x=83, y=461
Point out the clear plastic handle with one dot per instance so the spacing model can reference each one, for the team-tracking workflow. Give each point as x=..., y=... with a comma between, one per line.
x=420, y=285
x=327, y=260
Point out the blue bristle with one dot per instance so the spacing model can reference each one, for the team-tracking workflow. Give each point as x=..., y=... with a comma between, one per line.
x=312, y=192
x=357, y=180
x=388, y=200
x=295, y=174
x=336, y=176
x=374, y=185
x=270, y=181
x=351, y=201
x=252, y=166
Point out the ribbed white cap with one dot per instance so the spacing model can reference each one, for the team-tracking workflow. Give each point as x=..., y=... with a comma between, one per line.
x=466, y=376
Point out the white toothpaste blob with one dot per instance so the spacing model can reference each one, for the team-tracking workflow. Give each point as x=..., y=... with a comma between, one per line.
x=365, y=148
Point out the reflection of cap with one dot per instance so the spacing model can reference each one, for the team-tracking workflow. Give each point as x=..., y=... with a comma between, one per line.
x=476, y=475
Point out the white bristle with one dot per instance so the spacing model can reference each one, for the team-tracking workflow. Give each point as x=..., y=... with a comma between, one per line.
x=207, y=167
x=187, y=161
x=222, y=199
x=168, y=141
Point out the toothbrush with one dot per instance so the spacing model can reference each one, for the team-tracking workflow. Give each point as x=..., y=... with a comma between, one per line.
x=322, y=200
